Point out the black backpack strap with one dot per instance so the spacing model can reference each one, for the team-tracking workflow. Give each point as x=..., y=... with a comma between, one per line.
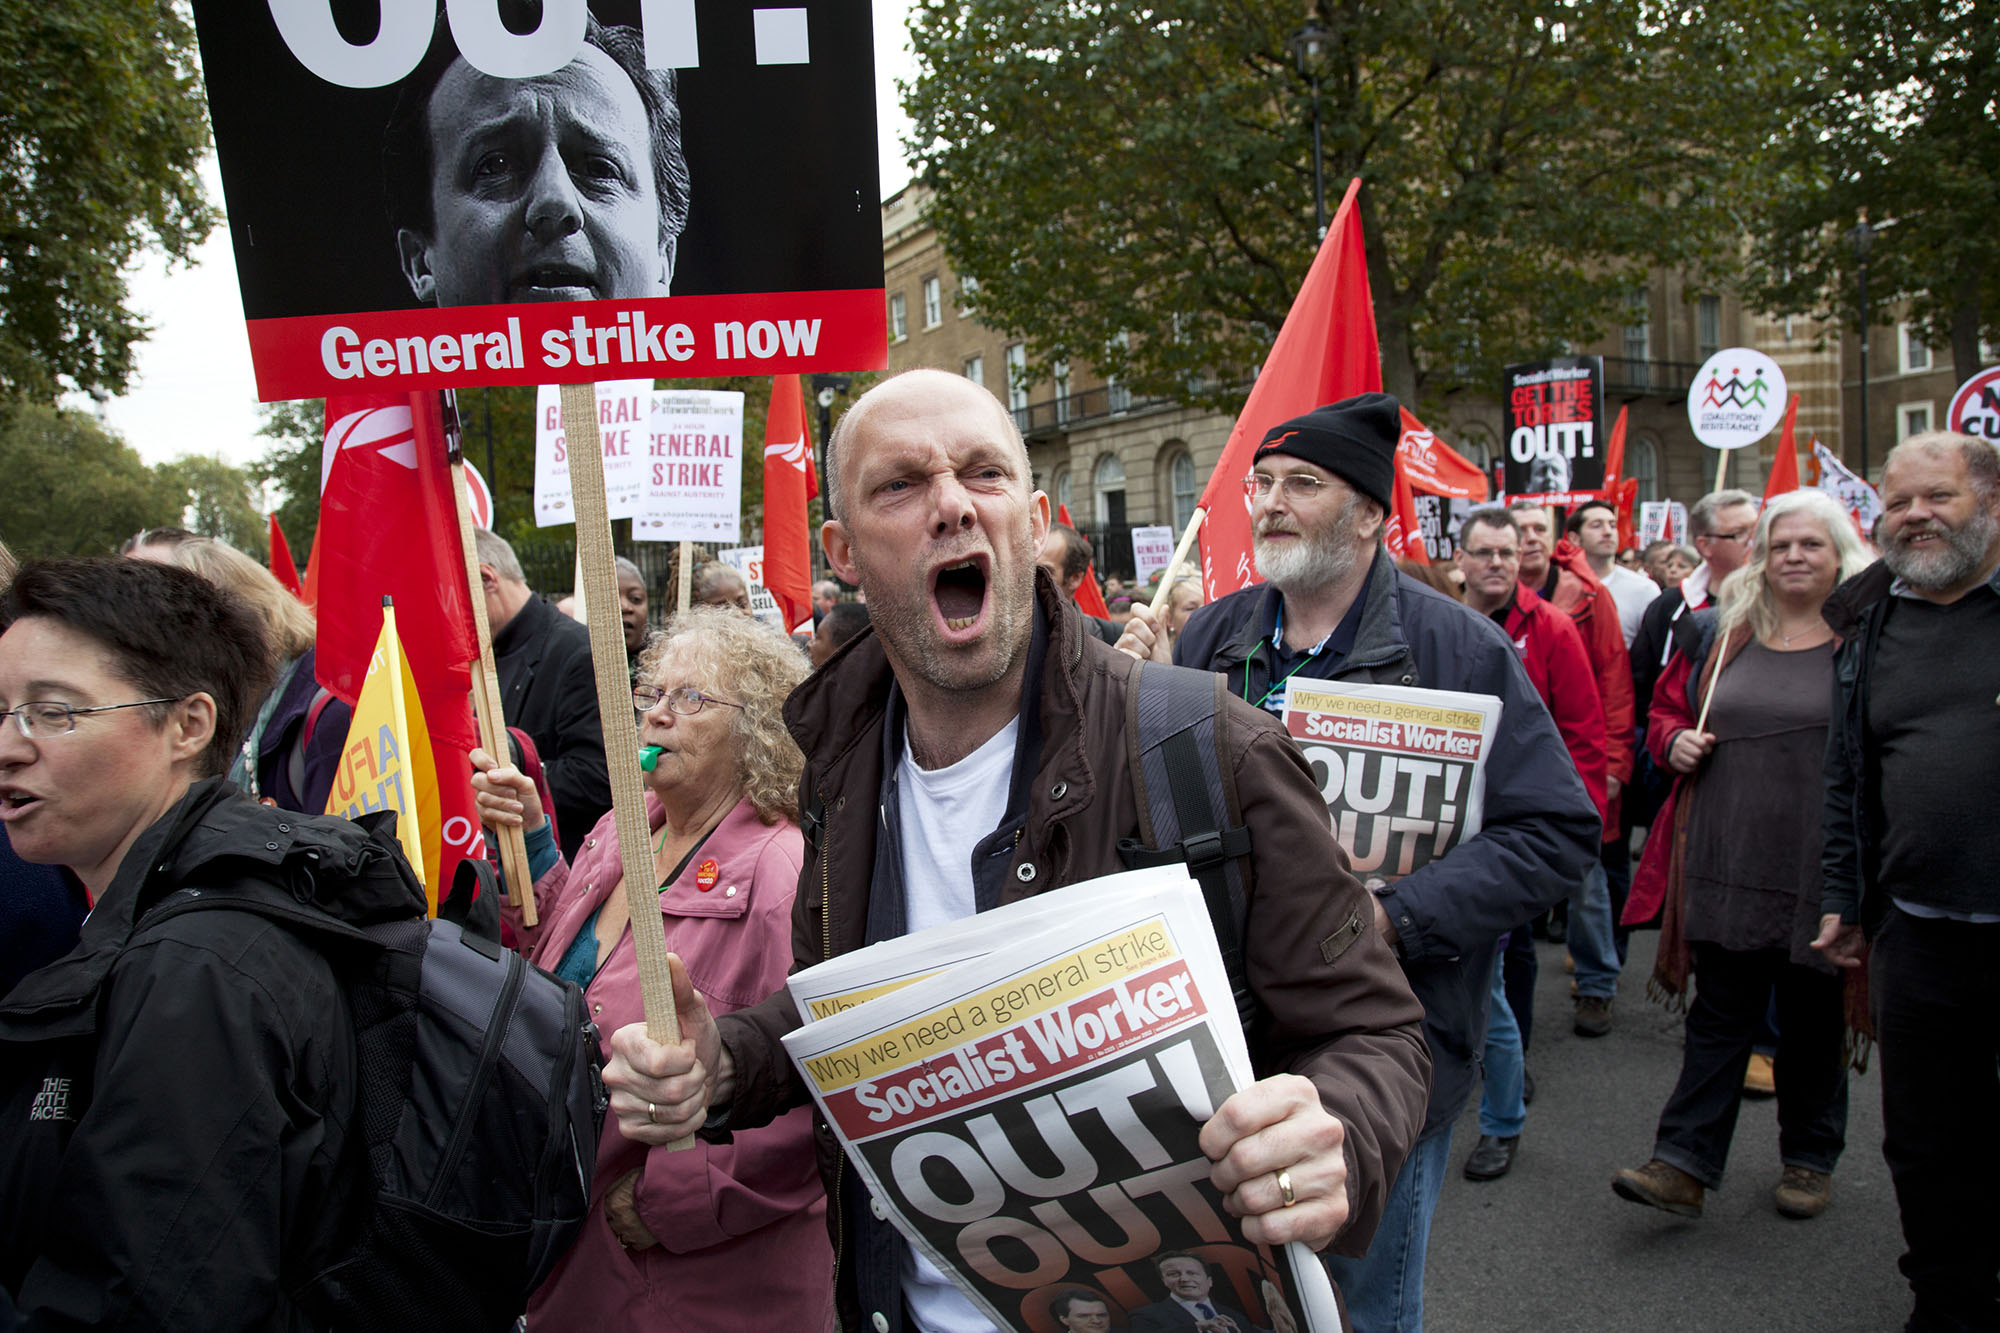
x=1175, y=729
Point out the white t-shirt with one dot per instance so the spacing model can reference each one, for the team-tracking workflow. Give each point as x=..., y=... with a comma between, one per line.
x=1633, y=592
x=943, y=813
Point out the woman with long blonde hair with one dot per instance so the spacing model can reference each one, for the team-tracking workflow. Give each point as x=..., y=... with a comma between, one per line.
x=1743, y=720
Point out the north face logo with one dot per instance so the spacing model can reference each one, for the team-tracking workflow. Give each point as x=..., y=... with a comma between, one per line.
x=52, y=1102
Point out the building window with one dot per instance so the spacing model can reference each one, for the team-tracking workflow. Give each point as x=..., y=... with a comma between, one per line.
x=1642, y=464
x=1118, y=397
x=1916, y=356
x=975, y=370
x=1062, y=488
x=1062, y=393
x=1110, y=485
x=1017, y=376
x=1708, y=326
x=968, y=292
x=1912, y=419
x=1638, y=336
x=899, y=318
x=1181, y=489
x=933, y=303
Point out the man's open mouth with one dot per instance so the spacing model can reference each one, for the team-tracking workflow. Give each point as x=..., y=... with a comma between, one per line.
x=13, y=802
x=555, y=282
x=960, y=591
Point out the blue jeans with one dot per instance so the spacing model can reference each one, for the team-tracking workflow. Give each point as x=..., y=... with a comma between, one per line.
x=1501, y=1110
x=1591, y=943
x=1384, y=1289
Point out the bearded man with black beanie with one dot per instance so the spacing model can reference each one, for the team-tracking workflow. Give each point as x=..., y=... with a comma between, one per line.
x=1334, y=607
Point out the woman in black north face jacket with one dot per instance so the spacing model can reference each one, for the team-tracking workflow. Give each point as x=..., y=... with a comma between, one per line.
x=176, y=1091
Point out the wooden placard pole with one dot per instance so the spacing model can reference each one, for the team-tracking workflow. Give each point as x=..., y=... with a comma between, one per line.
x=684, y=575
x=486, y=707
x=1161, y=593
x=614, y=706
x=1701, y=723
x=1721, y=468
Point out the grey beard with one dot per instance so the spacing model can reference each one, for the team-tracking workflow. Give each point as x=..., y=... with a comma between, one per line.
x=1959, y=558
x=1299, y=566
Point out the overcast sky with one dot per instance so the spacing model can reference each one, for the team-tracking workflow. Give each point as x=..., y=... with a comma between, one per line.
x=193, y=391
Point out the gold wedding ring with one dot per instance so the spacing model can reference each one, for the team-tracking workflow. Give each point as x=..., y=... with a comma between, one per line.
x=1285, y=1188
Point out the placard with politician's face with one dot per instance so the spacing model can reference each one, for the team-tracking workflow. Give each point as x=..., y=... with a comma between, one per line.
x=505, y=192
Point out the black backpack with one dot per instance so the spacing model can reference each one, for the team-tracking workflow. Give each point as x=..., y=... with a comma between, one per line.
x=479, y=1102
x=1175, y=726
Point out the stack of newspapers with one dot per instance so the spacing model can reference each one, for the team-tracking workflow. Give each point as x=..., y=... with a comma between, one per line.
x=1022, y=1091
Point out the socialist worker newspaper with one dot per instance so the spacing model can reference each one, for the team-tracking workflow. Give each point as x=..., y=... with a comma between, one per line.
x=1022, y=1092
x=1403, y=770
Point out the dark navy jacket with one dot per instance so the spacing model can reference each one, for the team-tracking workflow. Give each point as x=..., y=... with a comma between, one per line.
x=1540, y=830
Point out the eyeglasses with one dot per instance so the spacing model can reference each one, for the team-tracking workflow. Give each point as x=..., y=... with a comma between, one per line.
x=685, y=700
x=1490, y=554
x=1743, y=536
x=44, y=721
x=1295, y=486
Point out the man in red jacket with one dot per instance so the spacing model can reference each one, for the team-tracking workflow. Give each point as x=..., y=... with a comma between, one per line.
x=1561, y=575
x=1552, y=652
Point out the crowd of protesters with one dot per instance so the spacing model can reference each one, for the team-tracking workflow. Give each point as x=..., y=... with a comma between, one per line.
x=1770, y=748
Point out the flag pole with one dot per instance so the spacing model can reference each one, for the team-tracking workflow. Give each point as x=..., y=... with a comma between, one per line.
x=487, y=710
x=1161, y=593
x=614, y=706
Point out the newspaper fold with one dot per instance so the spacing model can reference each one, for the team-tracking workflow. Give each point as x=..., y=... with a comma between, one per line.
x=1403, y=769
x=1022, y=1092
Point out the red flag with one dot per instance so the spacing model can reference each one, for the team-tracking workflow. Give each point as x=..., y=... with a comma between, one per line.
x=1326, y=351
x=789, y=481
x=1089, y=598
x=1626, y=497
x=388, y=525
x=282, y=567
x=1434, y=467
x=1785, y=467
x=1614, y=453
x=1402, y=534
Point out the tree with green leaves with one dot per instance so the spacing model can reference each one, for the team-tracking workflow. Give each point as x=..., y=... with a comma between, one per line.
x=102, y=129
x=217, y=499
x=1898, y=123
x=1109, y=168
x=73, y=488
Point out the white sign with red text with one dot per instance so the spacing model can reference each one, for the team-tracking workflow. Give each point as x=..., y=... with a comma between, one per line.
x=691, y=483
x=624, y=409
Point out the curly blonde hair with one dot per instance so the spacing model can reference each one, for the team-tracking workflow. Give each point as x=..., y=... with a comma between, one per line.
x=748, y=663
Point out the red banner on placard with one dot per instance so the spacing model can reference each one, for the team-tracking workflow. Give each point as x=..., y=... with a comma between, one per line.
x=676, y=337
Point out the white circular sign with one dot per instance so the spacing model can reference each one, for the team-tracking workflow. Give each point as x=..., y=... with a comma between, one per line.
x=1975, y=408
x=1736, y=399
x=478, y=497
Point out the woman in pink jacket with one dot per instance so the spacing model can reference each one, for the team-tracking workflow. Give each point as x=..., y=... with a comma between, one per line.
x=715, y=1237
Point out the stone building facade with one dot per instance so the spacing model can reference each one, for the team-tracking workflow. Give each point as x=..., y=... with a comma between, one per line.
x=1118, y=460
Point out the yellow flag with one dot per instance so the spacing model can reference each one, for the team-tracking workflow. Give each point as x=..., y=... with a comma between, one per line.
x=387, y=765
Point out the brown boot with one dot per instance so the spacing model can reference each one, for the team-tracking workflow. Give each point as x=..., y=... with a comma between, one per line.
x=1760, y=1079
x=1803, y=1193
x=1661, y=1186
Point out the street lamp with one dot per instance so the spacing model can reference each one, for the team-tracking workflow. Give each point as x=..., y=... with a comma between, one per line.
x=1308, y=45
x=827, y=388
x=1863, y=237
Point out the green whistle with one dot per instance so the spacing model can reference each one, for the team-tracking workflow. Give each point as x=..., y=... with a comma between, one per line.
x=649, y=757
